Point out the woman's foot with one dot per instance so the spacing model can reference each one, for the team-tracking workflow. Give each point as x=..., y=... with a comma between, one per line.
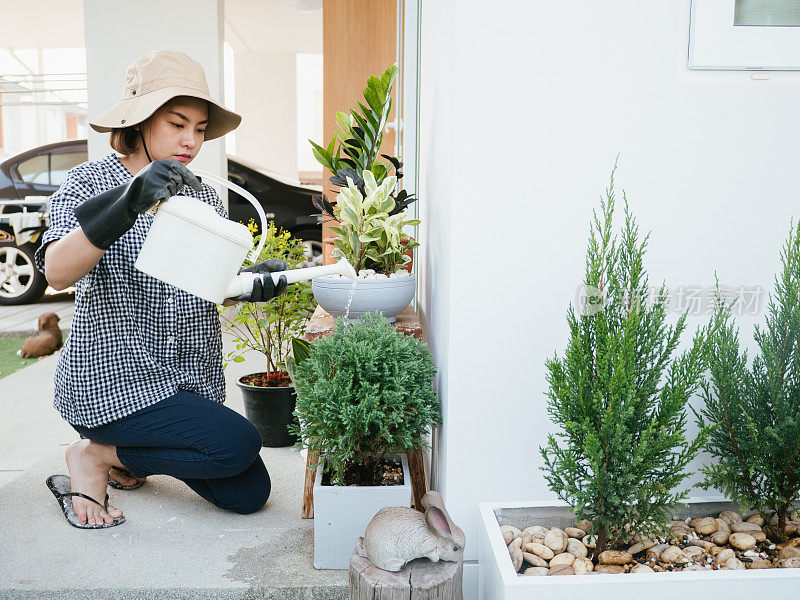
x=123, y=477
x=89, y=464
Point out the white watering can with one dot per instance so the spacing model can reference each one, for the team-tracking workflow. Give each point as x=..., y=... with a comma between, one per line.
x=191, y=247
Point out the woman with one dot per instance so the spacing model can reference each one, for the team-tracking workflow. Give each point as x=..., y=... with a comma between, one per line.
x=140, y=376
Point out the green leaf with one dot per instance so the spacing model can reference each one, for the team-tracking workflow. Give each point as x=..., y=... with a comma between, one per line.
x=380, y=89
x=373, y=100
x=238, y=359
x=388, y=76
x=301, y=349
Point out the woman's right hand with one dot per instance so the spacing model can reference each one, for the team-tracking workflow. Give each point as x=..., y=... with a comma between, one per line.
x=106, y=217
x=157, y=182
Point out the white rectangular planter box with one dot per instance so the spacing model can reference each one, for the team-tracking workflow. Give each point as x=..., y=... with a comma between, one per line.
x=499, y=581
x=342, y=513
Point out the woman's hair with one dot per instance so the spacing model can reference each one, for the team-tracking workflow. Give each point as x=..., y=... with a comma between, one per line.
x=125, y=140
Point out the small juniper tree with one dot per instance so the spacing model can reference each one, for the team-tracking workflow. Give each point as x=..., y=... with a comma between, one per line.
x=755, y=412
x=618, y=394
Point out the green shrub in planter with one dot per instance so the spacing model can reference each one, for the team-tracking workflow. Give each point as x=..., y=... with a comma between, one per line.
x=619, y=394
x=755, y=411
x=363, y=392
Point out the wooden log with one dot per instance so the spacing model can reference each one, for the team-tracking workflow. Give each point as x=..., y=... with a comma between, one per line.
x=419, y=486
x=308, y=488
x=420, y=579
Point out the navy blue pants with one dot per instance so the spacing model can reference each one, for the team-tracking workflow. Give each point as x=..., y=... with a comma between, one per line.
x=211, y=448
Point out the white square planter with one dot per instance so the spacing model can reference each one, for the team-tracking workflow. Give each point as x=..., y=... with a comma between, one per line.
x=498, y=581
x=342, y=513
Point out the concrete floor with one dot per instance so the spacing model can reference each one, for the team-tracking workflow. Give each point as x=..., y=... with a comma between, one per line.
x=173, y=545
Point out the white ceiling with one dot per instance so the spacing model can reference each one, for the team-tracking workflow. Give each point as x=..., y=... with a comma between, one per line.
x=250, y=25
x=271, y=26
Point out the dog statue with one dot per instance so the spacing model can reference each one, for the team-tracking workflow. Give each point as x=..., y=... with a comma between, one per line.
x=49, y=338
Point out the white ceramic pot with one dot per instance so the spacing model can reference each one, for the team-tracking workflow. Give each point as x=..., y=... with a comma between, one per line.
x=342, y=513
x=388, y=296
x=499, y=581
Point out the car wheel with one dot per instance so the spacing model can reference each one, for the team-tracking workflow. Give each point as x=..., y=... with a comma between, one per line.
x=20, y=281
x=312, y=244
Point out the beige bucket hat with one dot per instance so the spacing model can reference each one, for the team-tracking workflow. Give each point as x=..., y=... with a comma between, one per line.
x=155, y=78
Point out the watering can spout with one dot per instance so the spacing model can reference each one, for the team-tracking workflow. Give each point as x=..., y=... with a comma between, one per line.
x=244, y=281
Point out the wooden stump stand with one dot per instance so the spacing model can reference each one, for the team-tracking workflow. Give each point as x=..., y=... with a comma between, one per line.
x=420, y=579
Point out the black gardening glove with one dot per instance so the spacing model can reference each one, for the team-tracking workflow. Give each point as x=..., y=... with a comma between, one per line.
x=263, y=287
x=106, y=217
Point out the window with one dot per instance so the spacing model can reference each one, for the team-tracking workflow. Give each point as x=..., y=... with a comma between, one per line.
x=767, y=13
x=34, y=170
x=63, y=162
x=745, y=35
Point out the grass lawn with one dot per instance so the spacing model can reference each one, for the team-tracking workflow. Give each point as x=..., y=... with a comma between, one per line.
x=9, y=361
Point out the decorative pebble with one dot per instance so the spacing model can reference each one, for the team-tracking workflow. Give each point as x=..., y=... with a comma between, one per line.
x=516, y=553
x=576, y=548
x=742, y=541
x=654, y=552
x=705, y=526
x=556, y=540
x=673, y=554
x=719, y=538
x=509, y=529
x=734, y=564
x=724, y=556
x=540, y=550
x=584, y=524
x=536, y=571
x=757, y=519
x=790, y=563
x=642, y=569
x=589, y=541
x=745, y=527
x=532, y=559
x=614, y=557
x=565, y=558
x=730, y=516
x=609, y=568
x=582, y=565
x=759, y=563
x=574, y=532
x=561, y=570
x=788, y=552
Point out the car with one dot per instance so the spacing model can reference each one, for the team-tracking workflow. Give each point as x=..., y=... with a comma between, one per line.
x=28, y=179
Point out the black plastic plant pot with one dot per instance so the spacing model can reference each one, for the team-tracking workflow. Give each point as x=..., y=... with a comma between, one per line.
x=271, y=410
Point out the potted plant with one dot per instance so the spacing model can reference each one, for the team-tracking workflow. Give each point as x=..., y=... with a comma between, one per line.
x=365, y=397
x=619, y=397
x=268, y=328
x=754, y=412
x=370, y=212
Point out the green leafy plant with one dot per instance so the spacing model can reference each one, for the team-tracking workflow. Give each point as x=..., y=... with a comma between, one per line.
x=618, y=395
x=268, y=327
x=755, y=412
x=368, y=236
x=363, y=392
x=359, y=136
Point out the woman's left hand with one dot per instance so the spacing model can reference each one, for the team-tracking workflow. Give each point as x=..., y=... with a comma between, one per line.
x=264, y=288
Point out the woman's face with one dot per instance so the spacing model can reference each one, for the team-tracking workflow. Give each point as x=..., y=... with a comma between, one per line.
x=177, y=129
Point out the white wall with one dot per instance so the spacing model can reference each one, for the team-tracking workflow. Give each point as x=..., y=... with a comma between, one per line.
x=523, y=109
x=266, y=97
x=117, y=33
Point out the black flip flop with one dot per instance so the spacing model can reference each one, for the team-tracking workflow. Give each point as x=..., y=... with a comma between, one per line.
x=118, y=486
x=60, y=485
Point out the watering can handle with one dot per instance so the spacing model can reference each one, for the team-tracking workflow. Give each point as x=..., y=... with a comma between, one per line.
x=248, y=196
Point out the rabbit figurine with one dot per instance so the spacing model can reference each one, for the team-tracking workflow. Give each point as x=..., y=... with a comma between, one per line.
x=396, y=535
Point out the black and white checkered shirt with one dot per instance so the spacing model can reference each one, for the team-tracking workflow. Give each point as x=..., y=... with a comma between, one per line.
x=134, y=339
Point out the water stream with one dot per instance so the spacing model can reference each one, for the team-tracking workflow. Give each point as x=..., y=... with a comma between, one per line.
x=350, y=299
